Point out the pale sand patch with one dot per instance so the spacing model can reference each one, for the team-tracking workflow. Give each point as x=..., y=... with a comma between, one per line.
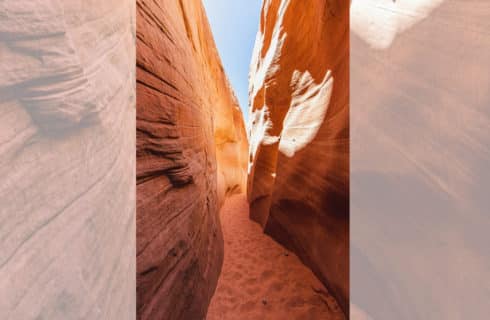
x=260, y=279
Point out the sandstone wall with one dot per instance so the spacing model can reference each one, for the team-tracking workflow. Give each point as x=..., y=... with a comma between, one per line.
x=191, y=152
x=67, y=139
x=299, y=165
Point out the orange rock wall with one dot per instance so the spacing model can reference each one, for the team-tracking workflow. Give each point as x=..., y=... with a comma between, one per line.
x=299, y=134
x=191, y=152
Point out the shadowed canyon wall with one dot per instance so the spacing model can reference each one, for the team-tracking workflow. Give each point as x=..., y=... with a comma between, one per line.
x=298, y=162
x=191, y=153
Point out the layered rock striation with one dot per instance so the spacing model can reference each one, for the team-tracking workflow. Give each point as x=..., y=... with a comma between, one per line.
x=191, y=153
x=299, y=134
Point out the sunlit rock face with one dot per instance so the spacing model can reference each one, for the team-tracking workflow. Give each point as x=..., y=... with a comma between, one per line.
x=298, y=133
x=191, y=152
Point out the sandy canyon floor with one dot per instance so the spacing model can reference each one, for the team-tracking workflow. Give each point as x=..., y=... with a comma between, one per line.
x=260, y=279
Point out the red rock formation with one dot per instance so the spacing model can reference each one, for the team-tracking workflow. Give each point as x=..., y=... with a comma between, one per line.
x=299, y=165
x=191, y=151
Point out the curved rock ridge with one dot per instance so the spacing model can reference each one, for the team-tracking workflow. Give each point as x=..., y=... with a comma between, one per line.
x=298, y=169
x=191, y=153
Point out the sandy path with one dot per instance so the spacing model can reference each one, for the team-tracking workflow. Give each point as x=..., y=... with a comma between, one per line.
x=261, y=279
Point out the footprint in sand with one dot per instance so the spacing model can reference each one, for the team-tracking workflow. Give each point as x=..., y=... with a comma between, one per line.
x=237, y=276
x=247, y=306
x=295, y=302
x=277, y=285
x=250, y=281
x=251, y=290
x=266, y=275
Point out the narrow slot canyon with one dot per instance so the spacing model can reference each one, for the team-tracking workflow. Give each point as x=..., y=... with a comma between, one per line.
x=236, y=221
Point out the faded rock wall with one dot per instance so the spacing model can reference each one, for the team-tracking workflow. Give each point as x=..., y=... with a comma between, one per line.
x=299, y=134
x=420, y=115
x=67, y=192
x=191, y=152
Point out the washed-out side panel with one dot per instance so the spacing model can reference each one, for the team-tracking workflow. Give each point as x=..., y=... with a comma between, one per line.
x=420, y=137
x=67, y=160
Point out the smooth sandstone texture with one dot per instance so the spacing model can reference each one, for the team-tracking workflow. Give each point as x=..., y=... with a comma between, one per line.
x=191, y=153
x=299, y=134
x=67, y=191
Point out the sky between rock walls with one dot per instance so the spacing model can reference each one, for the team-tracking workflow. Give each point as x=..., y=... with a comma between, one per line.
x=234, y=24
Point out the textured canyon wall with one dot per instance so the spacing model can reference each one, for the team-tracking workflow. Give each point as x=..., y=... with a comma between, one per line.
x=191, y=152
x=298, y=171
x=67, y=139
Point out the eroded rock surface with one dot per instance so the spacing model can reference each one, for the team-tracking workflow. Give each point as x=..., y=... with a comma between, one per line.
x=298, y=171
x=191, y=153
